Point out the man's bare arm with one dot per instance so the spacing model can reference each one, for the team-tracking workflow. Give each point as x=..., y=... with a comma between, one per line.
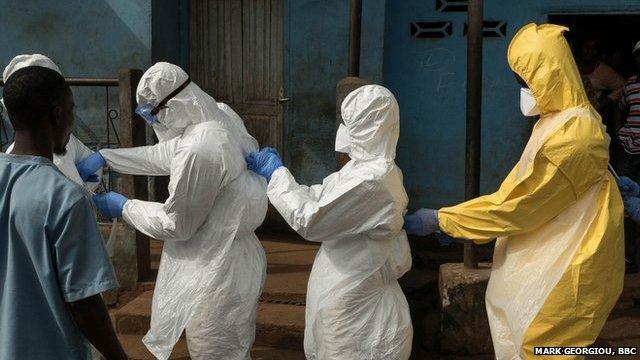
x=92, y=317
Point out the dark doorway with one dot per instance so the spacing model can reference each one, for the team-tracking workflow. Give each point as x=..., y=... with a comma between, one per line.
x=615, y=36
x=610, y=40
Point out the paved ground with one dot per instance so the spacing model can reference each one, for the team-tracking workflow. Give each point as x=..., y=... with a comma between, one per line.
x=280, y=323
x=289, y=264
x=623, y=326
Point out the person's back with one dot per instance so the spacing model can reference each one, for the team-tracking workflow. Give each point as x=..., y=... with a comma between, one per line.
x=355, y=307
x=227, y=237
x=213, y=266
x=53, y=263
x=557, y=217
x=353, y=282
x=36, y=204
x=371, y=243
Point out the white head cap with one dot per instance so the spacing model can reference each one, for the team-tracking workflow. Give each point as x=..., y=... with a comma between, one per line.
x=22, y=61
x=372, y=120
x=636, y=48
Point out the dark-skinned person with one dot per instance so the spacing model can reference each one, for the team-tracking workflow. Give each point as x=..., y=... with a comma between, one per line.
x=627, y=129
x=54, y=265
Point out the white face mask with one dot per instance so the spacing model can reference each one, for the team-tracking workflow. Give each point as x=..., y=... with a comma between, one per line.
x=343, y=143
x=528, y=104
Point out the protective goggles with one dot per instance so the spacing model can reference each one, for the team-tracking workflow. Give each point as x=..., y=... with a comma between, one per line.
x=149, y=112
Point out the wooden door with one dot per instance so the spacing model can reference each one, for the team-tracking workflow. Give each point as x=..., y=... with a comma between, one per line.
x=236, y=56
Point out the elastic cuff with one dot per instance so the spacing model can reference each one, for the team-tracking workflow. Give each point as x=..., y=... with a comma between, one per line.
x=276, y=172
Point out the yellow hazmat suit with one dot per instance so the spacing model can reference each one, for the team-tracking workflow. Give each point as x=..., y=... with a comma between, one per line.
x=558, y=264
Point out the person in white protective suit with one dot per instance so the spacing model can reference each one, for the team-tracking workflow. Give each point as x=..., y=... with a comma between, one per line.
x=75, y=149
x=355, y=307
x=213, y=266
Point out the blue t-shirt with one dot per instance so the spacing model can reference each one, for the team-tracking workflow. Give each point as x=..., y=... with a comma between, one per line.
x=51, y=253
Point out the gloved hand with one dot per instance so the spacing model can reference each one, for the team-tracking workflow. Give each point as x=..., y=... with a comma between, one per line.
x=443, y=239
x=632, y=206
x=89, y=165
x=628, y=187
x=422, y=222
x=110, y=204
x=264, y=162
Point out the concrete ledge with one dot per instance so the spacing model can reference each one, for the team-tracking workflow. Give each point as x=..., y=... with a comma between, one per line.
x=135, y=317
x=464, y=325
x=281, y=326
x=277, y=325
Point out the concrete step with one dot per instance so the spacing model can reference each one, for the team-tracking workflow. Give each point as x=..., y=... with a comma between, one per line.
x=631, y=287
x=260, y=352
x=289, y=263
x=137, y=351
x=278, y=325
x=622, y=329
x=630, y=297
x=135, y=317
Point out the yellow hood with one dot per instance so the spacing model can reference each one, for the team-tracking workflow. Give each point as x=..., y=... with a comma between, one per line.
x=541, y=56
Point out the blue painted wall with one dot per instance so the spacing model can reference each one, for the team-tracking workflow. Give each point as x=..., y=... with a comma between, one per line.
x=85, y=38
x=170, y=32
x=428, y=77
x=316, y=37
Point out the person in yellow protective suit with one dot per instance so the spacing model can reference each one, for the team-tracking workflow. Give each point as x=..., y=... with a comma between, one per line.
x=558, y=264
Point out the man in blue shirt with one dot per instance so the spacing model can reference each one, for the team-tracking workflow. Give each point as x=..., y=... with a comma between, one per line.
x=53, y=264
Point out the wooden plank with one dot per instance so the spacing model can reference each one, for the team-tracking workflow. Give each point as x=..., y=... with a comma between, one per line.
x=262, y=69
x=237, y=55
x=125, y=259
x=133, y=133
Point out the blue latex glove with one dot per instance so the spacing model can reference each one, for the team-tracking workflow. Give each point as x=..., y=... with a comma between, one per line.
x=89, y=165
x=110, y=204
x=632, y=206
x=628, y=187
x=264, y=162
x=422, y=222
x=443, y=239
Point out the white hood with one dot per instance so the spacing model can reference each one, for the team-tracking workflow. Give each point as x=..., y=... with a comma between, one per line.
x=190, y=106
x=371, y=116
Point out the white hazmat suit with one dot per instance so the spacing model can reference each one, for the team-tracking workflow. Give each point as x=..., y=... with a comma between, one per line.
x=355, y=307
x=76, y=150
x=213, y=266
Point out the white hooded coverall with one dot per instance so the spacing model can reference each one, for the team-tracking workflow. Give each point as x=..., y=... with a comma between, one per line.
x=355, y=307
x=213, y=267
x=76, y=150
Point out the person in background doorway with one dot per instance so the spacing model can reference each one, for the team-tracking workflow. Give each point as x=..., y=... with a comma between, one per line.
x=602, y=84
x=75, y=150
x=627, y=121
x=54, y=265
